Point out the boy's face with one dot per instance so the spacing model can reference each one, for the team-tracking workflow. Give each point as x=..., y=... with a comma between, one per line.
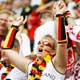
x=45, y=47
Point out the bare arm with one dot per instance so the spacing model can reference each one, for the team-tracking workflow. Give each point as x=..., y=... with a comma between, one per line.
x=45, y=6
x=20, y=62
x=60, y=60
x=61, y=51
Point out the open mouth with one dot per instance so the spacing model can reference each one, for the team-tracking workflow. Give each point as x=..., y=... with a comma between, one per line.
x=40, y=50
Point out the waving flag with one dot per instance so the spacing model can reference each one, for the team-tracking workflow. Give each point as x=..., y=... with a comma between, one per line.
x=74, y=33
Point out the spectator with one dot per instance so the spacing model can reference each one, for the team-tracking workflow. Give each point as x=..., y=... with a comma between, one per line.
x=21, y=47
x=46, y=48
x=4, y=15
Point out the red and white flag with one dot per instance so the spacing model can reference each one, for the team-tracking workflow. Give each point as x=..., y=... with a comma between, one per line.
x=74, y=33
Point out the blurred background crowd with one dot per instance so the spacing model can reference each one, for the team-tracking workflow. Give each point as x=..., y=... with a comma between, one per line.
x=17, y=5
x=36, y=9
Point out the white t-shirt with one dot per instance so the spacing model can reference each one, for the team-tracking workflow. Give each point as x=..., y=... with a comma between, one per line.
x=47, y=28
x=24, y=45
x=49, y=73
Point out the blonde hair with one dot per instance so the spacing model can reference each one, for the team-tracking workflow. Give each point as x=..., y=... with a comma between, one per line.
x=7, y=12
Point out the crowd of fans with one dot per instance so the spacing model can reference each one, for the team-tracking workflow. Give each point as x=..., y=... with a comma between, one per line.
x=37, y=39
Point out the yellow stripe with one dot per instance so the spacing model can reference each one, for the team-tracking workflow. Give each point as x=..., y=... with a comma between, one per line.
x=62, y=40
x=7, y=72
x=12, y=65
x=41, y=3
x=1, y=64
x=7, y=38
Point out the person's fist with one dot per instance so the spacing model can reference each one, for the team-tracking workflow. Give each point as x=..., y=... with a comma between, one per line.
x=18, y=21
x=60, y=7
x=4, y=57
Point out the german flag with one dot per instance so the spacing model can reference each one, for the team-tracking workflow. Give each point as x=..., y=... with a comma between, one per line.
x=10, y=38
x=61, y=33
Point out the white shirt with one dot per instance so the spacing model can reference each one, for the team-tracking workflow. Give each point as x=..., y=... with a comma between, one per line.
x=35, y=2
x=45, y=29
x=24, y=45
x=49, y=72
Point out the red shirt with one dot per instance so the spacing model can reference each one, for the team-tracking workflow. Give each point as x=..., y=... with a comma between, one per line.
x=34, y=22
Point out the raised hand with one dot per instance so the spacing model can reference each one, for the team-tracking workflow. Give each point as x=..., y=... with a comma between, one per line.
x=60, y=7
x=18, y=22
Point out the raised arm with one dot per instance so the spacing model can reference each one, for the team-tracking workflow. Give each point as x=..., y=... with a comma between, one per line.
x=41, y=8
x=10, y=55
x=60, y=61
x=8, y=43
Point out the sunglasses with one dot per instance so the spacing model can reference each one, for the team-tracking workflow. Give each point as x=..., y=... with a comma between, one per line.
x=46, y=43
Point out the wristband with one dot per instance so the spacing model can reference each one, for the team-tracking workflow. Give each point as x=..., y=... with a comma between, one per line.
x=61, y=33
x=14, y=26
x=57, y=15
x=8, y=43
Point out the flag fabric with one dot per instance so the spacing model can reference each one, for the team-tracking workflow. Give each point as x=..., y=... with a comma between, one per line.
x=74, y=33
